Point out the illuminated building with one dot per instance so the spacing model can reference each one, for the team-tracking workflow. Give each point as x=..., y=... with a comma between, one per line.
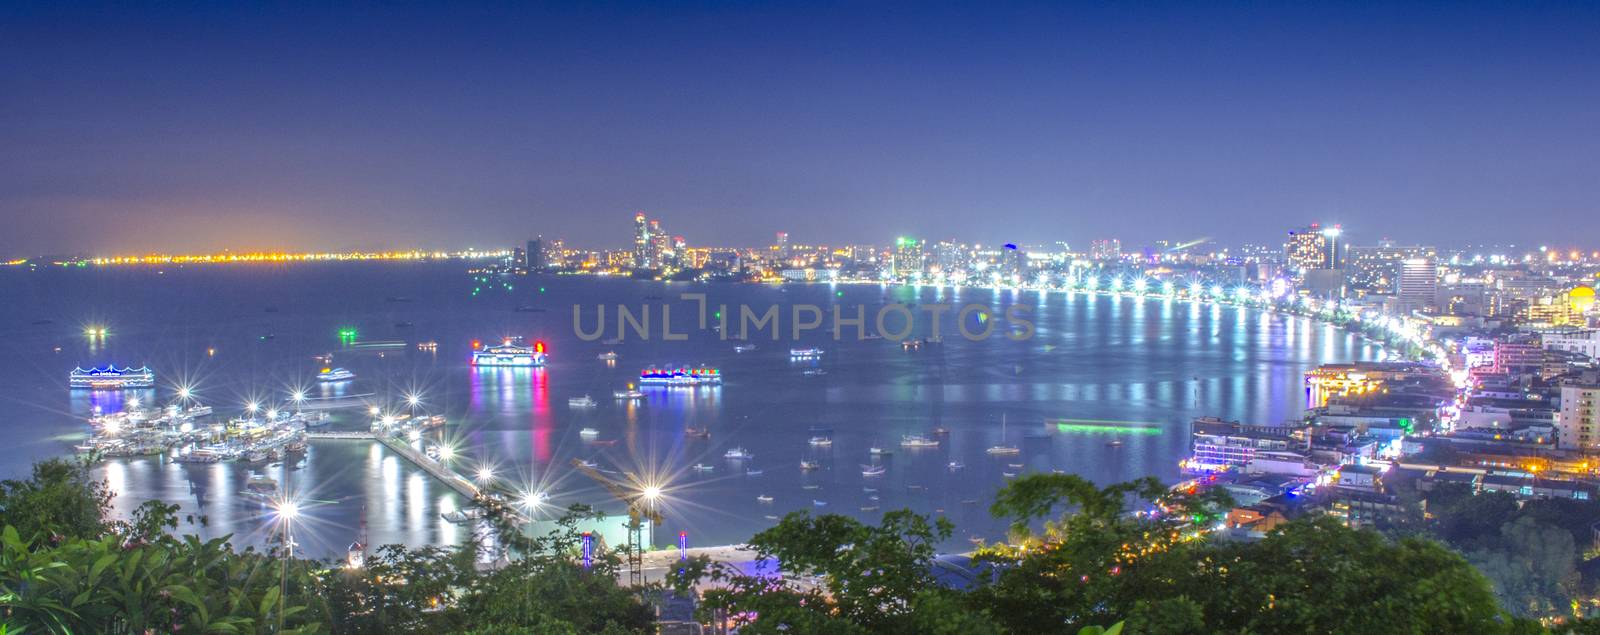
x=534, y=260
x=1223, y=445
x=1419, y=284
x=1105, y=249
x=1577, y=425
x=642, y=243
x=1313, y=247
x=908, y=260
x=782, y=244
x=1377, y=268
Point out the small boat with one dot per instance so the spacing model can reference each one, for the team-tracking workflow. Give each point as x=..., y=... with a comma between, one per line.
x=955, y=465
x=698, y=433
x=612, y=341
x=809, y=465
x=805, y=353
x=588, y=464
x=1003, y=449
x=1014, y=466
x=821, y=441
x=917, y=441
x=743, y=348
x=581, y=402
x=1114, y=443
x=608, y=356
x=763, y=499
x=606, y=443
x=462, y=516
x=701, y=467
x=737, y=454
x=819, y=503
x=770, y=517
x=814, y=372
x=870, y=508
x=879, y=451
x=261, y=485
x=628, y=394
x=941, y=431
x=873, y=497
x=873, y=470
x=333, y=375
x=753, y=472
x=809, y=486
x=589, y=432
x=869, y=490
x=1009, y=474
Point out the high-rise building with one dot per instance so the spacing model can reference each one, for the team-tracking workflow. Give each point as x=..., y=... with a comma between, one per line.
x=1576, y=427
x=1313, y=247
x=1105, y=249
x=908, y=259
x=680, y=252
x=782, y=243
x=1377, y=268
x=642, y=243
x=660, y=245
x=1419, y=284
x=555, y=254
x=534, y=260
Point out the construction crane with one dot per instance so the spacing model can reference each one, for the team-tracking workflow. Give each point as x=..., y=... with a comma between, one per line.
x=641, y=507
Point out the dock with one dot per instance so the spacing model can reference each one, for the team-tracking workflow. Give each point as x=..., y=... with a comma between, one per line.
x=460, y=484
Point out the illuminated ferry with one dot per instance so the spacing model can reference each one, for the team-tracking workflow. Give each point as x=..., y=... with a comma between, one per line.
x=510, y=354
x=332, y=375
x=682, y=376
x=112, y=378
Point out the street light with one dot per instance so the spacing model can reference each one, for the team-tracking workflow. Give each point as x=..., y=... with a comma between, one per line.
x=413, y=400
x=485, y=473
x=252, y=407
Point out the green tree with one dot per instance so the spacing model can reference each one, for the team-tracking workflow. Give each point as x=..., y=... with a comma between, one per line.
x=59, y=502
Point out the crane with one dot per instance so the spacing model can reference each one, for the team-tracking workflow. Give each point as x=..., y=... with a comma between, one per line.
x=641, y=507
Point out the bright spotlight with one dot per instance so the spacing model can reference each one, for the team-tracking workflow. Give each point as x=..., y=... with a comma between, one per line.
x=288, y=509
x=272, y=414
x=413, y=400
x=651, y=492
x=373, y=411
x=299, y=396
x=183, y=392
x=532, y=500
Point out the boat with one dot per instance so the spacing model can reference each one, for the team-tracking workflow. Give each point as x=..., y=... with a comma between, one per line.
x=257, y=455
x=334, y=375
x=934, y=339
x=873, y=470
x=1003, y=449
x=810, y=486
x=403, y=325
x=698, y=433
x=743, y=348
x=528, y=308
x=462, y=516
x=819, y=503
x=701, y=467
x=608, y=356
x=196, y=411
x=763, y=499
x=737, y=454
x=805, y=353
x=1114, y=443
x=589, y=432
x=509, y=353
x=1009, y=474
x=941, y=431
x=870, y=508
x=917, y=441
x=682, y=376
x=911, y=344
x=809, y=465
x=260, y=486
x=877, y=451
x=581, y=402
x=112, y=378
x=630, y=393
x=815, y=372
x=753, y=472
x=588, y=464
x=955, y=465
x=821, y=441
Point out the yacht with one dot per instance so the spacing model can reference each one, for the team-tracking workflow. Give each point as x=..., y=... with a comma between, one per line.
x=737, y=454
x=334, y=375
x=1003, y=449
x=581, y=402
x=608, y=356
x=917, y=441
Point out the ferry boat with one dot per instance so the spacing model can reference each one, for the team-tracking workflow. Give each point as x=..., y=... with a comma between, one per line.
x=608, y=356
x=630, y=393
x=737, y=454
x=112, y=378
x=917, y=441
x=581, y=402
x=805, y=353
x=682, y=376
x=821, y=441
x=509, y=353
x=331, y=375
x=809, y=465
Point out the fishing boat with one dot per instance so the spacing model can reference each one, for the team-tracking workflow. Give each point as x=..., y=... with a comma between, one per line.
x=809, y=465
x=581, y=402
x=737, y=454
x=608, y=356
x=335, y=375
x=1003, y=449
x=763, y=499
x=1114, y=443
x=873, y=470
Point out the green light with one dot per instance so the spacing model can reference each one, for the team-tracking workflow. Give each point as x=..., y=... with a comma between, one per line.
x=541, y=289
x=1105, y=426
x=719, y=315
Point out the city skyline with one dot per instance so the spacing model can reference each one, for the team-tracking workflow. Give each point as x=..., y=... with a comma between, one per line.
x=189, y=129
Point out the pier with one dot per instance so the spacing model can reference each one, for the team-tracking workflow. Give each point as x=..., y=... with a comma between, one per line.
x=460, y=484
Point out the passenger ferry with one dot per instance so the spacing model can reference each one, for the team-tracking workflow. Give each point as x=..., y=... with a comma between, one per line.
x=332, y=375
x=112, y=378
x=682, y=376
x=805, y=353
x=509, y=353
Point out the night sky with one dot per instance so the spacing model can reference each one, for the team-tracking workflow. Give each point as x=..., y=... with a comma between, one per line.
x=189, y=128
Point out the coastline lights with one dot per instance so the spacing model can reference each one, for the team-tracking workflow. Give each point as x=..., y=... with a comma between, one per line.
x=1195, y=289
x=252, y=407
x=413, y=400
x=1168, y=288
x=1141, y=285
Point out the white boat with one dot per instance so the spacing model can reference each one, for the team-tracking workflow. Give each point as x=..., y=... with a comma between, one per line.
x=877, y=451
x=701, y=467
x=873, y=470
x=588, y=464
x=814, y=372
x=1003, y=449
x=462, y=516
x=581, y=402
x=743, y=348
x=805, y=353
x=753, y=472
x=608, y=356
x=917, y=441
x=630, y=393
x=821, y=441
x=589, y=432
x=334, y=375
x=819, y=503
x=737, y=454
x=955, y=465
x=809, y=465
x=763, y=499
